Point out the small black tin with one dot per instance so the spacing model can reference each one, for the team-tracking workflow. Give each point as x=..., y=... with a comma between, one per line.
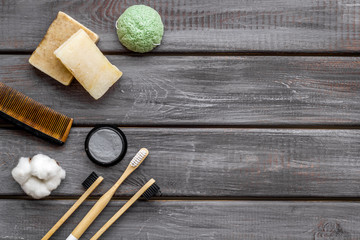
x=106, y=145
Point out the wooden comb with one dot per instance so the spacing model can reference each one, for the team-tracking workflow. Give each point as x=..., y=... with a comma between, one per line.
x=32, y=116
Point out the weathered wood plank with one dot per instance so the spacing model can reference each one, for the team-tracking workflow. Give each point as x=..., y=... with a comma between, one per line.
x=190, y=220
x=207, y=162
x=197, y=90
x=199, y=25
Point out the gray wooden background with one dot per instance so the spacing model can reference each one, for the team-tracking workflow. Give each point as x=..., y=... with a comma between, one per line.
x=250, y=110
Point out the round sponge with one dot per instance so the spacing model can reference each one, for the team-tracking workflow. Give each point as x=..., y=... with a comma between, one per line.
x=140, y=28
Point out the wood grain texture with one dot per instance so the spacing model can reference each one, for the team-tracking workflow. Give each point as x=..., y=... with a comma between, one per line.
x=205, y=163
x=156, y=220
x=199, y=25
x=200, y=90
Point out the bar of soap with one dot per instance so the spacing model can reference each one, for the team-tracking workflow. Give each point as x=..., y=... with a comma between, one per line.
x=43, y=57
x=85, y=61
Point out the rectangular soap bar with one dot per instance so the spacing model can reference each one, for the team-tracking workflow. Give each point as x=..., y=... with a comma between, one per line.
x=43, y=58
x=87, y=63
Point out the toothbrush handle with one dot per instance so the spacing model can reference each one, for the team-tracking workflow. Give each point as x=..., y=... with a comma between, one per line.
x=123, y=209
x=93, y=213
x=72, y=209
x=98, y=207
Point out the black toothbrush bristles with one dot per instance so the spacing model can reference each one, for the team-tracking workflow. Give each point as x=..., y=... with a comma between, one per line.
x=90, y=180
x=151, y=191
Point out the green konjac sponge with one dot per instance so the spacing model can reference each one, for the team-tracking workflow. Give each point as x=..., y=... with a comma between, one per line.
x=140, y=28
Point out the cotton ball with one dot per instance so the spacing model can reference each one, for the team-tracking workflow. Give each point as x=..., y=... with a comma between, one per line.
x=36, y=188
x=62, y=174
x=38, y=176
x=54, y=182
x=43, y=167
x=22, y=172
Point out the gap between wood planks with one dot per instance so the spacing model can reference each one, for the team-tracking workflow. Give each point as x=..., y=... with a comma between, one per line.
x=220, y=53
x=245, y=126
x=210, y=199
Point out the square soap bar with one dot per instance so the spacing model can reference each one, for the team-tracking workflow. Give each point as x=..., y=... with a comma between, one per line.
x=43, y=57
x=87, y=63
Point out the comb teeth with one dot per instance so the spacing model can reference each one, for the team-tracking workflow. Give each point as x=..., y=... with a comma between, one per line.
x=34, y=117
x=90, y=180
x=151, y=191
x=139, y=157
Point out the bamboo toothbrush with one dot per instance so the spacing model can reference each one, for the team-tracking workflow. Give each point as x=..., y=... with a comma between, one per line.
x=148, y=190
x=90, y=183
x=33, y=117
x=105, y=199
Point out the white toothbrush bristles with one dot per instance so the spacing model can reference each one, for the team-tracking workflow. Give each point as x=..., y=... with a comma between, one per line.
x=139, y=157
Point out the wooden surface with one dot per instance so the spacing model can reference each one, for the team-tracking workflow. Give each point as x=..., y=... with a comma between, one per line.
x=206, y=162
x=250, y=110
x=307, y=26
x=205, y=90
x=184, y=220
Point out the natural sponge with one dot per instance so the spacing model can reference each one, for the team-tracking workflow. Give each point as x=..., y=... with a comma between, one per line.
x=140, y=28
